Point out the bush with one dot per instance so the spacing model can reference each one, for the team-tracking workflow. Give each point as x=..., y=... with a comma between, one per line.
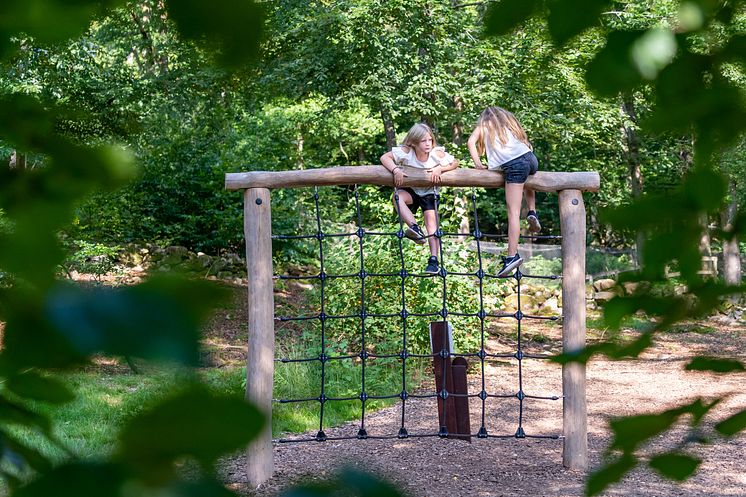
x=90, y=258
x=383, y=296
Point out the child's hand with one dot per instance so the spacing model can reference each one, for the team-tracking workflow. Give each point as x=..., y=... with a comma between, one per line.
x=399, y=177
x=479, y=165
x=435, y=173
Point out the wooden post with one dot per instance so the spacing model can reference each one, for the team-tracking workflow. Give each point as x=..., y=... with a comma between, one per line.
x=261, y=355
x=575, y=415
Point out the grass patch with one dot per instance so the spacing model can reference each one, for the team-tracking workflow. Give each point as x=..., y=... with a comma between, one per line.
x=689, y=328
x=342, y=379
x=88, y=426
x=597, y=328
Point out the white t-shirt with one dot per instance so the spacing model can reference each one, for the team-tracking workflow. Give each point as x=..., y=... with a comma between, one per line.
x=410, y=159
x=498, y=154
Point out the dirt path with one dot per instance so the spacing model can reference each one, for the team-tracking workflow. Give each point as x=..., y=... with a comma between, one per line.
x=533, y=467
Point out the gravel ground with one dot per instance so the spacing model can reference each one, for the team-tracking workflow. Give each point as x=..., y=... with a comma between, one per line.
x=533, y=467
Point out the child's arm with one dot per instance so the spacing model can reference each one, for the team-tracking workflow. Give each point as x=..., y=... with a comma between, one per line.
x=472, y=145
x=389, y=163
x=441, y=167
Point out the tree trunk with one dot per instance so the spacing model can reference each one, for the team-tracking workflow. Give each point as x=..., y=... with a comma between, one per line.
x=299, y=163
x=731, y=254
x=458, y=126
x=17, y=161
x=149, y=17
x=388, y=127
x=633, y=161
x=705, y=242
x=461, y=211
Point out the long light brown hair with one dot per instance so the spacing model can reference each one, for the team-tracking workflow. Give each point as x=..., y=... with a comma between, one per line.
x=493, y=123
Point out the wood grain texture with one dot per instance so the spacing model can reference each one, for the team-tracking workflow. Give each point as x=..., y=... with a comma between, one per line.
x=575, y=414
x=260, y=365
x=379, y=175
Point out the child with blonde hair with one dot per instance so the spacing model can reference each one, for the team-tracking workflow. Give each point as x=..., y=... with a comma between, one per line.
x=500, y=137
x=419, y=150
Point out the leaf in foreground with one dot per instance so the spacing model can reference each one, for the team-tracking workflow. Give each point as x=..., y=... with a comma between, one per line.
x=677, y=467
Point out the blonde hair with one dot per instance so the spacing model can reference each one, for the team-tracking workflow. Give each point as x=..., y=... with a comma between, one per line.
x=493, y=123
x=416, y=133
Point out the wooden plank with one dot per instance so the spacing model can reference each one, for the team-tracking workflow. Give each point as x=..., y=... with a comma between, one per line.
x=575, y=415
x=379, y=175
x=440, y=340
x=459, y=366
x=261, y=353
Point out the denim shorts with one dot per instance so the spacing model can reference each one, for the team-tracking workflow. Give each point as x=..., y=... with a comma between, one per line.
x=427, y=202
x=518, y=170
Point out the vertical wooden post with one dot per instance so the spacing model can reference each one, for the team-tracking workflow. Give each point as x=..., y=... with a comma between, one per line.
x=261, y=355
x=575, y=415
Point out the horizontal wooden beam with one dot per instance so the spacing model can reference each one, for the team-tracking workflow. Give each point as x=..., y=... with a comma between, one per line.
x=378, y=175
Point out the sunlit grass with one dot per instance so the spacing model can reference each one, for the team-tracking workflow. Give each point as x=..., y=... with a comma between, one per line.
x=87, y=427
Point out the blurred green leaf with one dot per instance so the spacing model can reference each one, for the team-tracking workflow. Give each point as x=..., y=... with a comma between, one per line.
x=675, y=466
x=568, y=18
x=235, y=26
x=350, y=482
x=608, y=474
x=631, y=431
x=33, y=386
x=732, y=425
x=20, y=455
x=30, y=340
x=715, y=364
x=158, y=319
x=198, y=488
x=77, y=480
x=504, y=16
x=366, y=485
x=612, y=70
x=47, y=21
x=193, y=423
x=609, y=349
x=705, y=188
x=12, y=412
x=698, y=409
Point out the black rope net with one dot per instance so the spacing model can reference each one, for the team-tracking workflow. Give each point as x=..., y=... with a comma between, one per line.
x=361, y=355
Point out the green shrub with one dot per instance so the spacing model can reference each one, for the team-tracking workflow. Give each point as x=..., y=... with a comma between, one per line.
x=90, y=258
x=383, y=296
x=599, y=262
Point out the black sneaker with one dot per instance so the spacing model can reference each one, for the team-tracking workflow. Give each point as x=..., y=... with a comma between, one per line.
x=534, y=226
x=432, y=265
x=415, y=233
x=510, y=263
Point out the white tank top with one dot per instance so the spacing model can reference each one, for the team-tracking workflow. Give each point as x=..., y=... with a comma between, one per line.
x=498, y=154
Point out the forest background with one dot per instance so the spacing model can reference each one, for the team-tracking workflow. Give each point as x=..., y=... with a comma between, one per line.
x=337, y=83
x=648, y=93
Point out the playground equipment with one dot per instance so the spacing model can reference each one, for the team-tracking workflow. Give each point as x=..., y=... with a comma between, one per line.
x=257, y=231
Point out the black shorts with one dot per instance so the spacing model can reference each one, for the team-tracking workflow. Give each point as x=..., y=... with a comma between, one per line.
x=427, y=202
x=518, y=170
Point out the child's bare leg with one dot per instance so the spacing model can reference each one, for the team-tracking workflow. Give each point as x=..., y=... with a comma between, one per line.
x=513, y=198
x=404, y=212
x=431, y=223
x=530, y=195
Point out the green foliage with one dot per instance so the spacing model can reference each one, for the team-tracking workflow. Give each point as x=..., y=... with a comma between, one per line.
x=733, y=424
x=234, y=26
x=90, y=258
x=420, y=295
x=350, y=482
x=678, y=467
x=715, y=365
x=540, y=265
x=51, y=325
x=599, y=262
